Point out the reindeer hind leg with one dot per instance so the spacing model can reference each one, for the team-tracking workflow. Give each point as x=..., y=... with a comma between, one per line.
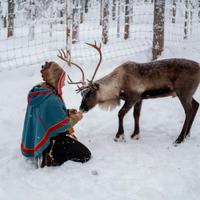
x=195, y=106
x=136, y=114
x=190, y=105
x=186, y=101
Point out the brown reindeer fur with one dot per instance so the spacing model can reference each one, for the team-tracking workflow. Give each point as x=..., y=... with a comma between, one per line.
x=133, y=82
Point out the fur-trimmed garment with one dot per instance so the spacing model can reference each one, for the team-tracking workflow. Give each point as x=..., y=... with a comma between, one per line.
x=46, y=117
x=48, y=126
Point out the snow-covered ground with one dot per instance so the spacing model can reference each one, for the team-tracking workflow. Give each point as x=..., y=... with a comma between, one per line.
x=148, y=169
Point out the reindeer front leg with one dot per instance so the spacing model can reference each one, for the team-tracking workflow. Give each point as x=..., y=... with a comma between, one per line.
x=125, y=108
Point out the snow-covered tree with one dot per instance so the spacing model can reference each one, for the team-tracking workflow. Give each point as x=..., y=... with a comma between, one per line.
x=11, y=15
x=199, y=10
x=32, y=16
x=34, y=10
x=186, y=23
x=113, y=9
x=1, y=11
x=174, y=4
x=61, y=10
x=101, y=12
x=105, y=22
x=118, y=17
x=75, y=21
x=158, y=28
x=86, y=5
x=68, y=26
x=51, y=18
x=3, y=14
x=192, y=10
x=127, y=19
x=82, y=10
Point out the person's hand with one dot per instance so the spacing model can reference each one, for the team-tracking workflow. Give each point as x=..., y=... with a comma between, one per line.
x=79, y=115
x=72, y=111
x=74, y=118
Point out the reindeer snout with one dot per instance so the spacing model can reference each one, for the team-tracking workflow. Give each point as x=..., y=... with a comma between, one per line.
x=83, y=111
x=83, y=108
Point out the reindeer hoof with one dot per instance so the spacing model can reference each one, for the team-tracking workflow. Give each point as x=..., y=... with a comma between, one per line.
x=188, y=135
x=135, y=136
x=178, y=141
x=175, y=144
x=121, y=138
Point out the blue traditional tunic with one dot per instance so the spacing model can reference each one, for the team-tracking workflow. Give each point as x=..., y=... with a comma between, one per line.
x=46, y=117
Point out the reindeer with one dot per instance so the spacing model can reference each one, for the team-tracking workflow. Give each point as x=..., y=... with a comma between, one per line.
x=132, y=82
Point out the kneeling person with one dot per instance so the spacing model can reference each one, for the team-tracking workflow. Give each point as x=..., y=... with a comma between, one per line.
x=48, y=133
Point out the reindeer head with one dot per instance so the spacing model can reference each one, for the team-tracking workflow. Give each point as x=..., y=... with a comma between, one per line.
x=89, y=90
x=89, y=97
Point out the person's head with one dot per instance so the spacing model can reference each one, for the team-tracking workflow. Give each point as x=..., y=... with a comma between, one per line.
x=53, y=75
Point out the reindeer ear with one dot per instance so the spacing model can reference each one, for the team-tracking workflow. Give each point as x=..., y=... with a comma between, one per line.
x=96, y=86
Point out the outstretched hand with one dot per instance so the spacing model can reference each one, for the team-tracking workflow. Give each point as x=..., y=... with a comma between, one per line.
x=72, y=111
x=75, y=115
x=79, y=115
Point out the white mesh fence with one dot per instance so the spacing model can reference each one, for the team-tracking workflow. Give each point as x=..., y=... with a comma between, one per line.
x=34, y=30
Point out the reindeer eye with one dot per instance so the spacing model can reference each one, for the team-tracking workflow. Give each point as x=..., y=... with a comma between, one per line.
x=89, y=94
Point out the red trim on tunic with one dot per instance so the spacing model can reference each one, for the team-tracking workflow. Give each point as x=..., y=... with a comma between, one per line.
x=46, y=136
x=38, y=93
x=60, y=84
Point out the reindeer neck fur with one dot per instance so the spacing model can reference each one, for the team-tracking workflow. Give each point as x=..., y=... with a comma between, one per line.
x=109, y=89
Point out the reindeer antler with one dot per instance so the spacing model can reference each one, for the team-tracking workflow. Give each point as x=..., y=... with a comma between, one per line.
x=64, y=56
x=100, y=59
